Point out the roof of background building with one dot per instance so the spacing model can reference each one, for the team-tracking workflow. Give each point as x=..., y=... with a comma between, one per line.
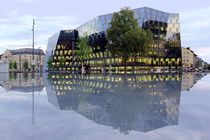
x=188, y=48
x=27, y=51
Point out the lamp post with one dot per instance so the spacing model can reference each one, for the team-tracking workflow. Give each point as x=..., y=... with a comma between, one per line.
x=33, y=63
x=20, y=68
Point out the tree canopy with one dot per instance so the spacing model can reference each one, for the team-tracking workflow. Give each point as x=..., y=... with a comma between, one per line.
x=15, y=65
x=62, y=61
x=11, y=65
x=208, y=66
x=83, y=50
x=26, y=65
x=125, y=37
x=49, y=62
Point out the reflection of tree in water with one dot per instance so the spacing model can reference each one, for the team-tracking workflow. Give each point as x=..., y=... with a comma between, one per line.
x=12, y=76
x=33, y=75
x=127, y=107
x=25, y=76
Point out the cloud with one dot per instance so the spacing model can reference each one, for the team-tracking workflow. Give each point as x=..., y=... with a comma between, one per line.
x=195, y=25
x=195, y=31
x=203, y=52
x=202, y=86
x=27, y=1
x=195, y=13
x=19, y=30
x=195, y=28
x=13, y=12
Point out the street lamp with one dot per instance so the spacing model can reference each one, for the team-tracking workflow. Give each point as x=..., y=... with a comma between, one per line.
x=33, y=63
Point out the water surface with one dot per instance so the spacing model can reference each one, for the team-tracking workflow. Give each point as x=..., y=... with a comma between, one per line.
x=144, y=106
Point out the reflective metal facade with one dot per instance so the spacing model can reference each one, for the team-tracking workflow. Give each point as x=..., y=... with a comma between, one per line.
x=51, y=46
x=145, y=14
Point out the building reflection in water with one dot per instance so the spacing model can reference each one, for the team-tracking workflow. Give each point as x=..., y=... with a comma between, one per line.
x=190, y=79
x=22, y=82
x=125, y=102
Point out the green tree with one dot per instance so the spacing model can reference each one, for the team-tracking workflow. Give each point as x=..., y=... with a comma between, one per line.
x=62, y=61
x=12, y=76
x=15, y=65
x=125, y=37
x=198, y=64
x=25, y=65
x=11, y=65
x=139, y=41
x=209, y=67
x=49, y=63
x=205, y=67
x=83, y=50
x=26, y=76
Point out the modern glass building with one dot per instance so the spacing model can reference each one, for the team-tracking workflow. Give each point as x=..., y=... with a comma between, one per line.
x=165, y=53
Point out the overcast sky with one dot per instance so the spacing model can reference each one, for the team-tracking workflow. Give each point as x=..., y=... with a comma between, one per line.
x=51, y=16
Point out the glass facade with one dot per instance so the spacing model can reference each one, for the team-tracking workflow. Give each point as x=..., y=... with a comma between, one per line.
x=165, y=53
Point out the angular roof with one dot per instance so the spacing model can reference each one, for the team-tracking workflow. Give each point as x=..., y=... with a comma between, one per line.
x=27, y=51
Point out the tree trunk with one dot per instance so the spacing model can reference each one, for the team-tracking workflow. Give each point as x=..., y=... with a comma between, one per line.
x=82, y=68
x=134, y=62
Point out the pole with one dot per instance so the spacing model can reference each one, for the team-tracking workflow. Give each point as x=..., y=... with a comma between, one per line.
x=39, y=60
x=33, y=103
x=33, y=64
x=20, y=69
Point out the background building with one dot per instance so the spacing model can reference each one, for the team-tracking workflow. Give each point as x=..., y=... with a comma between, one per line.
x=22, y=59
x=4, y=67
x=22, y=82
x=190, y=79
x=200, y=64
x=191, y=61
x=188, y=59
x=165, y=52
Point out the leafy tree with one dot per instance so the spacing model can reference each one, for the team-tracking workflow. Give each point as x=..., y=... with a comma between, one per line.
x=61, y=61
x=139, y=41
x=125, y=37
x=11, y=66
x=12, y=76
x=205, y=66
x=15, y=65
x=49, y=63
x=83, y=50
x=198, y=64
x=25, y=65
x=25, y=76
x=209, y=67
